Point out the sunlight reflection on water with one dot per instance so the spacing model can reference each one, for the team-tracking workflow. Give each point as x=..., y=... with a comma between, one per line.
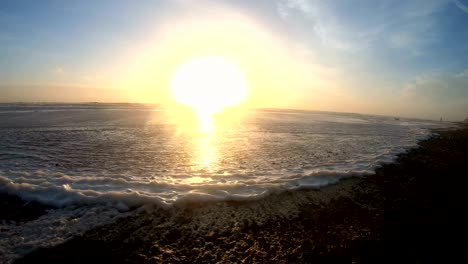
x=138, y=152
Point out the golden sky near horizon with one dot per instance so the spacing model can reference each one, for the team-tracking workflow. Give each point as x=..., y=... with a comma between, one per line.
x=260, y=58
x=397, y=59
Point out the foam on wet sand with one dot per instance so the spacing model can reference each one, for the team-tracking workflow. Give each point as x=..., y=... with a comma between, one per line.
x=402, y=213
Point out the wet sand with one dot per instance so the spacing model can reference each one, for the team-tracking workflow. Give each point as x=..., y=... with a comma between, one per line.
x=412, y=211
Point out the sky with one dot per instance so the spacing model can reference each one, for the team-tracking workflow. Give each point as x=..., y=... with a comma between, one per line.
x=398, y=58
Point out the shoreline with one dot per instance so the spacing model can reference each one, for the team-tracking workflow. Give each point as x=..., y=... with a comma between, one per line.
x=405, y=212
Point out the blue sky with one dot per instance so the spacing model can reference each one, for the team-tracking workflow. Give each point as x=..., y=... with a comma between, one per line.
x=405, y=58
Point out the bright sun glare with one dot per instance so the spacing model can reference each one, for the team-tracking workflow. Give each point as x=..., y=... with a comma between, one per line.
x=208, y=85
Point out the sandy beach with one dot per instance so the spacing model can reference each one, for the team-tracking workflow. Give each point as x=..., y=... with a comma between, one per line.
x=412, y=211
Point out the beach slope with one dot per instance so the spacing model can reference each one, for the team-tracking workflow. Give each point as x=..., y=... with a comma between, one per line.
x=411, y=211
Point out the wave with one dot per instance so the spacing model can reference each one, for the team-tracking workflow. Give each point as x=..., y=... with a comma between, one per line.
x=125, y=193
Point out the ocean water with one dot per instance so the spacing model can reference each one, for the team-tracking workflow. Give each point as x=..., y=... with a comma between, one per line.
x=130, y=155
x=114, y=157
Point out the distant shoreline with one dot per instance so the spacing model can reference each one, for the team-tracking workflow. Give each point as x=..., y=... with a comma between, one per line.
x=411, y=210
x=266, y=109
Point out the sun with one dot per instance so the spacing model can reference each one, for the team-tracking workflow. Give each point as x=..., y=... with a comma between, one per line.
x=208, y=85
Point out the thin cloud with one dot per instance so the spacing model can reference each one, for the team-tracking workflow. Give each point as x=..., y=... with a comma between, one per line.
x=462, y=7
x=284, y=8
x=58, y=70
x=282, y=11
x=439, y=87
x=438, y=94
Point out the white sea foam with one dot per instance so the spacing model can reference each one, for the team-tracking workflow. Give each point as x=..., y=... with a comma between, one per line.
x=135, y=156
x=51, y=229
x=95, y=165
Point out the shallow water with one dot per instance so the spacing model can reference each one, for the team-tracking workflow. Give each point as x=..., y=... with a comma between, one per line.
x=129, y=155
x=95, y=161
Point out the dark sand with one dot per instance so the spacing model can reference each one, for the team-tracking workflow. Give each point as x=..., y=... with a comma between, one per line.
x=413, y=211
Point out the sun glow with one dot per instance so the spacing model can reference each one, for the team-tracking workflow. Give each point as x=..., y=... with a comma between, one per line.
x=208, y=85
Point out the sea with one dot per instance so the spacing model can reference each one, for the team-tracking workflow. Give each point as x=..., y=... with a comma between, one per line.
x=95, y=163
